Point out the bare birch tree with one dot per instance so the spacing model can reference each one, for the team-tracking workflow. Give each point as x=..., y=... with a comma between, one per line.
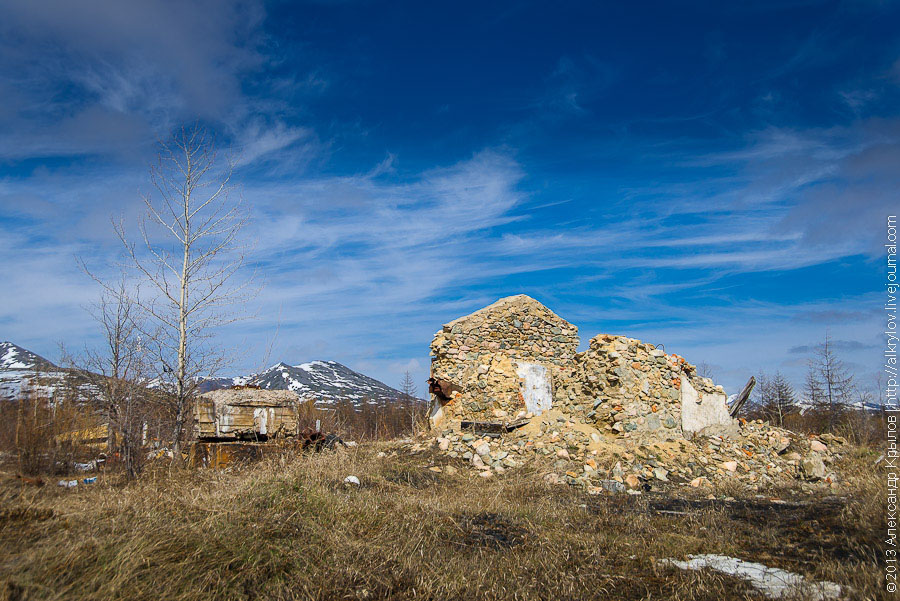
x=119, y=371
x=189, y=252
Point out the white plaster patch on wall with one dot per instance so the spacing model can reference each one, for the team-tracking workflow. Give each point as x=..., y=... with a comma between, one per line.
x=702, y=410
x=260, y=416
x=437, y=414
x=226, y=420
x=536, y=388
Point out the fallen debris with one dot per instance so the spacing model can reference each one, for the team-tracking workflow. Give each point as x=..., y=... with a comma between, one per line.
x=492, y=427
x=813, y=467
x=510, y=389
x=318, y=441
x=581, y=455
x=742, y=397
x=27, y=480
x=774, y=583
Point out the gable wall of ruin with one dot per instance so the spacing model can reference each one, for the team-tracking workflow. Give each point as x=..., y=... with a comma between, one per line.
x=619, y=384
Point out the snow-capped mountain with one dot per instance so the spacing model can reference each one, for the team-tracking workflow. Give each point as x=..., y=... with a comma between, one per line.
x=326, y=382
x=804, y=405
x=22, y=371
x=13, y=356
x=322, y=381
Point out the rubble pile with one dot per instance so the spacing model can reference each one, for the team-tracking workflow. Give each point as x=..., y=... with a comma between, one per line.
x=570, y=451
x=509, y=389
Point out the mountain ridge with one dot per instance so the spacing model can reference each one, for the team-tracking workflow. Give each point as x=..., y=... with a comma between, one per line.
x=13, y=356
x=324, y=382
x=25, y=372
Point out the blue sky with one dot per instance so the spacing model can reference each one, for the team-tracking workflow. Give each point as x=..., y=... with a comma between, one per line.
x=710, y=176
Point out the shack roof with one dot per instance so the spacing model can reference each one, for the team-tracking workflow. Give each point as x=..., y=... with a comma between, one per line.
x=252, y=397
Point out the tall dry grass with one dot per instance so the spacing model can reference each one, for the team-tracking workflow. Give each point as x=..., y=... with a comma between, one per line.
x=863, y=428
x=289, y=528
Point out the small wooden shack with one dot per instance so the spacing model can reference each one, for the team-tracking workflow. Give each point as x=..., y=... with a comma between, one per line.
x=246, y=414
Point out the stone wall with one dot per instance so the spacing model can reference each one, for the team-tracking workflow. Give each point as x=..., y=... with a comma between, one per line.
x=623, y=385
x=619, y=385
x=480, y=353
x=515, y=326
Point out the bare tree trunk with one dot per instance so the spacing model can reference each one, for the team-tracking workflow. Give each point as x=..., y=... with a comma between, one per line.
x=181, y=376
x=191, y=266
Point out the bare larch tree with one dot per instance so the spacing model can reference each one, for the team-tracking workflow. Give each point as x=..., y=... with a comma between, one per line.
x=829, y=385
x=190, y=253
x=774, y=397
x=411, y=404
x=705, y=370
x=408, y=388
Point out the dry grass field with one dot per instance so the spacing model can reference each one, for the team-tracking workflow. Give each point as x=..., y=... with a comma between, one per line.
x=289, y=528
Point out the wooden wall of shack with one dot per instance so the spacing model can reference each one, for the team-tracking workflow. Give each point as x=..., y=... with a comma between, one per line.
x=246, y=414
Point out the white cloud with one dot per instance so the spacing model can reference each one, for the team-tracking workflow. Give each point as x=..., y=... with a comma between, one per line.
x=363, y=268
x=108, y=78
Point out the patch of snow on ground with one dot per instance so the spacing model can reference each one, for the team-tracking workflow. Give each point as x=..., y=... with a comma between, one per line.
x=774, y=583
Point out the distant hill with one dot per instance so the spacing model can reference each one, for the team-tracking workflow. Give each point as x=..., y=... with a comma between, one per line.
x=22, y=371
x=324, y=381
x=805, y=405
x=14, y=357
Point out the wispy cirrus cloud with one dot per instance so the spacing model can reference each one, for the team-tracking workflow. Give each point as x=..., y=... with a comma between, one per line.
x=358, y=266
x=101, y=78
x=688, y=185
x=338, y=253
x=836, y=346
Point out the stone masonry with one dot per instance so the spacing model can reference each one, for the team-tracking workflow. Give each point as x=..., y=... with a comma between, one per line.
x=623, y=385
x=621, y=415
x=619, y=385
x=481, y=352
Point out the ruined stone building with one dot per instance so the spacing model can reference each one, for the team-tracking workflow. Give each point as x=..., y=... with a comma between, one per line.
x=516, y=358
